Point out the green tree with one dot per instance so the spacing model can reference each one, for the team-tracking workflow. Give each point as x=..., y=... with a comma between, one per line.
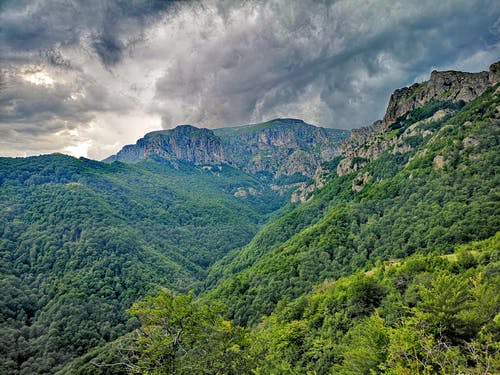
x=366, y=347
x=443, y=306
x=179, y=336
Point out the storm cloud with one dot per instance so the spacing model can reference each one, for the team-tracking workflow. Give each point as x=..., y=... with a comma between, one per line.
x=86, y=77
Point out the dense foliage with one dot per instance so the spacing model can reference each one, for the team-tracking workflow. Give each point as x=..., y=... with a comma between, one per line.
x=81, y=240
x=424, y=315
x=442, y=192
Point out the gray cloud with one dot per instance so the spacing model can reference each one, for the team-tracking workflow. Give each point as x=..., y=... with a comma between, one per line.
x=351, y=54
x=93, y=75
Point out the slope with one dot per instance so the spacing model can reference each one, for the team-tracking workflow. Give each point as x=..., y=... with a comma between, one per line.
x=270, y=150
x=421, y=315
x=432, y=186
x=81, y=240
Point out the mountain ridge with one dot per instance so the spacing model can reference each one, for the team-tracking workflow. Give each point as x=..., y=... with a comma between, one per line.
x=81, y=239
x=422, y=183
x=367, y=143
x=277, y=147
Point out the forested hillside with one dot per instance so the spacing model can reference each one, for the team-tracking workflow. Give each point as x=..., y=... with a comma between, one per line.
x=81, y=240
x=426, y=314
x=375, y=274
x=434, y=188
x=182, y=263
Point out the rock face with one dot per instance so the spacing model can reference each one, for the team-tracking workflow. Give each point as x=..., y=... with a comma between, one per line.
x=449, y=85
x=494, y=73
x=281, y=146
x=368, y=143
x=185, y=142
x=278, y=147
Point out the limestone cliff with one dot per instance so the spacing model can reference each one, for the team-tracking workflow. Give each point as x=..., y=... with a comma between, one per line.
x=278, y=147
x=185, y=142
x=281, y=146
x=368, y=143
x=448, y=85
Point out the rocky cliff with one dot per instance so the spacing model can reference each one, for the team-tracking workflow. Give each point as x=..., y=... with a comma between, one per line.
x=453, y=87
x=185, y=142
x=448, y=85
x=281, y=146
x=278, y=147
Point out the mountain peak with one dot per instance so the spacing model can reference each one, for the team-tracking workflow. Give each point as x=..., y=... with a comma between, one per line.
x=448, y=85
x=450, y=88
x=286, y=121
x=282, y=146
x=184, y=142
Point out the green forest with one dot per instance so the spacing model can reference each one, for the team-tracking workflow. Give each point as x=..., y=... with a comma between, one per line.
x=82, y=240
x=161, y=268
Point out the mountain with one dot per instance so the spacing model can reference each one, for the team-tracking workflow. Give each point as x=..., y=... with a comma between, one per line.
x=392, y=267
x=449, y=88
x=277, y=147
x=281, y=146
x=390, y=264
x=81, y=240
x=185, y=143
x=421, y=183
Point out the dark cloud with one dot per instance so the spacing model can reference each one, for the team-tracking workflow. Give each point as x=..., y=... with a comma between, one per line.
x=351, y=54
x=47, y=25
x=109, y=49
x=97, y=67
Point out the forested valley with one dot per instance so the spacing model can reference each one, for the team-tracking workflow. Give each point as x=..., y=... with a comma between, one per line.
x=387, y=261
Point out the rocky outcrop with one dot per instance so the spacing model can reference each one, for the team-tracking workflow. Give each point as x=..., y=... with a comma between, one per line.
x=494, y=73
x=279, y=147
x=448, y=85
x=368, y=143
x=185, y=142
x=304, y=191
x=360, y=181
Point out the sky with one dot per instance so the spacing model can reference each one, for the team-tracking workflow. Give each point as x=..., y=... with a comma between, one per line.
x=87, y=77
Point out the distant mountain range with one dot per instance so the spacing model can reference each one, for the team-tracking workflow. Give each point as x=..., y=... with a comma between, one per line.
x=277, y=147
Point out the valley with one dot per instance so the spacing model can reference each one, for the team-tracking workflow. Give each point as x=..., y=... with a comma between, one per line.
x=271, y=248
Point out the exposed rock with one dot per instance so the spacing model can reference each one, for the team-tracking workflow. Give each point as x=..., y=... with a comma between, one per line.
x=244, y=193
x=439, y=162
x=368, y=143
x=401, y=149
x=304, y=192
x=448, y=85
x=494, y=73
x=350, y=165
x=470, y=142
x=185, y=142
x=279, y=147
x=360, y=181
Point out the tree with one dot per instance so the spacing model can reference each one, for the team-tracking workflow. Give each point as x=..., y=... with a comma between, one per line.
x=444, y=305
x=180, y=336
x=366, y=346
